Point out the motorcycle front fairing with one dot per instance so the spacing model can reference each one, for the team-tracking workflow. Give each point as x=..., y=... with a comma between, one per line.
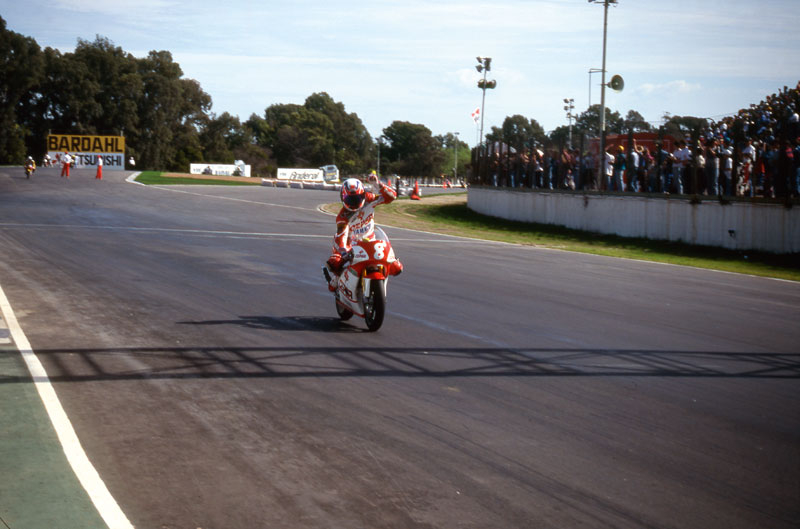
x=370, y=261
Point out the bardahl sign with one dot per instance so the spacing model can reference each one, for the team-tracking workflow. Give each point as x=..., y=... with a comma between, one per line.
x=85, y=149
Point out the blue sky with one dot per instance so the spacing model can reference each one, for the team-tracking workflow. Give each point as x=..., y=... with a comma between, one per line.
x=414, y=60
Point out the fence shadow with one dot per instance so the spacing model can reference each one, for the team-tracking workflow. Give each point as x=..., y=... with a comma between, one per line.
x=112, y=364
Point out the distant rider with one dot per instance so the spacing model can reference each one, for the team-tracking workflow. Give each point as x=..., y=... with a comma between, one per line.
x=356, y=220
x=30, y=167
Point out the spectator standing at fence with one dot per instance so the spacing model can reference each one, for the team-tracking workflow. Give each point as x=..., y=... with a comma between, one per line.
x=796, y=161
x=770, y=168
x=494, y=167
x=608, y=168
x=619, y=169
x=633, y=172
x=538, y=168
x=749, y=154
x=785, y=165
x=681, y=158
x=700, y=166
x=727, y=170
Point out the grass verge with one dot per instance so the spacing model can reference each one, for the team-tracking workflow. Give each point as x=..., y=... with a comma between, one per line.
x=449, y=214
x=158, y=178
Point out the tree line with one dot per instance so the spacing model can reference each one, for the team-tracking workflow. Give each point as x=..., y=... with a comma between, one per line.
x=522, y=133
x=167, y=120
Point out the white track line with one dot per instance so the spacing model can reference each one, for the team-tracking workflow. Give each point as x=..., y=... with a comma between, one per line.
x=103, y=501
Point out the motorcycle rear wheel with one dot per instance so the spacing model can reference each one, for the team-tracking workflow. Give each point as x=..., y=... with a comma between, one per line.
x=374, y=306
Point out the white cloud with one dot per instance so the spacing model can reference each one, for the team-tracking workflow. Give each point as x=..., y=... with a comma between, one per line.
x=123, y=8
x=671, y=88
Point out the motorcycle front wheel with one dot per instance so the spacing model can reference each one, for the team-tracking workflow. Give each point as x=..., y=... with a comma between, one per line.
x=374, y=306
x=344, y=313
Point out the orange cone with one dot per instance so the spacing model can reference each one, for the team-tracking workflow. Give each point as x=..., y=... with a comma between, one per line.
x=99, y=175
x=415, y=193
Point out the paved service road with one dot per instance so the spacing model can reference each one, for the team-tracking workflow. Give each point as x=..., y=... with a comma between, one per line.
x=193, y=344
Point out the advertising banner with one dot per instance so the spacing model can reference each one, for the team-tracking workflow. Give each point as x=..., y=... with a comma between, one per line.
x=86, y=148
x=304, y=175
x=218, y=169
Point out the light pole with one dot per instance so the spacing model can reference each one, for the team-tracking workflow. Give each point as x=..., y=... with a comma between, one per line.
x=592, y=71
x=455, y=159
x=484, y=65
x=569, y=106
x=603, y=88
x=379, y=154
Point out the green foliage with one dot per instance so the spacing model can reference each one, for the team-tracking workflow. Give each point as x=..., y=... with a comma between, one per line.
x=157, y=178
x=519, y=132
x=21, y=66
x=635, y=121
x=680, y=126
x=319, y=132
x=588, y=122
x=449, y=151
x=411, y=150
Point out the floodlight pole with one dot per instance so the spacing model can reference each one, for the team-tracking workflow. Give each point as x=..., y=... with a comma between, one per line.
x=602, y=153
x=455, y=162
x=483, y=97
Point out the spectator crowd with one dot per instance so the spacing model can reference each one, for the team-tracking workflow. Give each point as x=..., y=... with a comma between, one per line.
x=755, y=152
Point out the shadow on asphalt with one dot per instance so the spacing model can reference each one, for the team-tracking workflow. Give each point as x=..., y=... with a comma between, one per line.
x=287, y=323
x=338, y=362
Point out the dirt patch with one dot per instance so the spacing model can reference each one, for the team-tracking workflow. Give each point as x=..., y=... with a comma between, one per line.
x=248, y=179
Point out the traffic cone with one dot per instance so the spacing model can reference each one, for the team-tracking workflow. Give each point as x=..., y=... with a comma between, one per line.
x=415, y=193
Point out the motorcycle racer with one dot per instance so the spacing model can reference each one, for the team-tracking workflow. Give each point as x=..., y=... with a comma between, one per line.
x=356, y=220
x=30, y=166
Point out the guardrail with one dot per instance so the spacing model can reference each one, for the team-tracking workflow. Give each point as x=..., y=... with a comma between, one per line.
x=737, y=225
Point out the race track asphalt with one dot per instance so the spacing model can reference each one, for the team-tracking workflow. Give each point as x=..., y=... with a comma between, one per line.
x=196, y=351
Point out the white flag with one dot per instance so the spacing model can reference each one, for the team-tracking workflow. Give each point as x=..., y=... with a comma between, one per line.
x=476, y=115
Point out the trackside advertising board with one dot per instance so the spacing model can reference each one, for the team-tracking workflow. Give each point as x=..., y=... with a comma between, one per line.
x=305, y=175
x=86, y=149
x=218, y=169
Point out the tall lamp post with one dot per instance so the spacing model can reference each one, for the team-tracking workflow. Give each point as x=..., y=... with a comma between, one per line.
x=592, y=71
x=569, y=106
x=455, y=158
x=603, y=88
x=484, y=65
x=379, y=140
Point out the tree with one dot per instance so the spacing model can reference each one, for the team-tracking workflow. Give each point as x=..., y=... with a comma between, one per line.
x=519, y=132
x=171, y=110
x=220, y=136
x=320, y=132
x=21, y=67
x=448, y=145
x=636, y=122
x=560, y=136
x=680, y=126
x=588, y=122
x=412, y=150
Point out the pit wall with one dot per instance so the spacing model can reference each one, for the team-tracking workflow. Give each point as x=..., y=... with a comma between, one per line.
x=737, y=225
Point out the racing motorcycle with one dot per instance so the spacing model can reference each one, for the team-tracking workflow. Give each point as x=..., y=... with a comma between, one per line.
x=361, y=288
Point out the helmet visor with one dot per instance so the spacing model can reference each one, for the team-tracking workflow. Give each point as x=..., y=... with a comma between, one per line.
x=353, y=201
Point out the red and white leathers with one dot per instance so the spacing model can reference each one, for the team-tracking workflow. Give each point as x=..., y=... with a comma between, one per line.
x=358, y=224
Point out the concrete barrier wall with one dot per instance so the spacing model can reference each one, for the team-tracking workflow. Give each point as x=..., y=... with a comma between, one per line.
x=738, y=225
